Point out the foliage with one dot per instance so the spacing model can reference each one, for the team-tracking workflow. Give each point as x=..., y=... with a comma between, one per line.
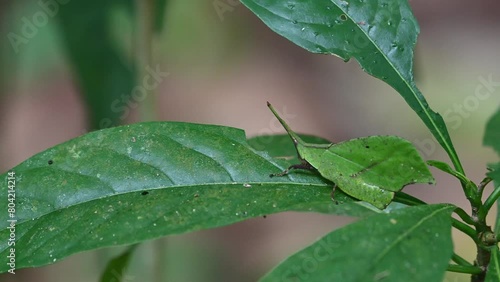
x=128, y=184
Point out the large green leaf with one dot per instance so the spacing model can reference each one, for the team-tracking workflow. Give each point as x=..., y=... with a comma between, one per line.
x=133, y=183
x=379, y=34
x=103, y=74
x=411, y=244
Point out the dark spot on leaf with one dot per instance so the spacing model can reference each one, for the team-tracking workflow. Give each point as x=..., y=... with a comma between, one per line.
x=367, y=147
x=196, y=195
x=264, y=216
x=144, y=193
x=343, y=17
x=50, y=162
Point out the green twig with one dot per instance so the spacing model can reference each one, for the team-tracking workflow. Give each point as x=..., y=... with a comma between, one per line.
x=485, y=208
x=464, y=269
x=460, y=260
x=466, y=229
x=464, y=216
x=483, y=184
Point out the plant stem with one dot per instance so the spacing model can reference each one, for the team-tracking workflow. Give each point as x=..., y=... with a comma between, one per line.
x=483, y=184
x=460, y=260
x=145, y=18
x=464, y=269
x=469, y=231
x=464, y=216
x=483, y=231
x=483, y=210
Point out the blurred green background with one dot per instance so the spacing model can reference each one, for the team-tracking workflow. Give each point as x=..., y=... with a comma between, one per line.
x=223, y=65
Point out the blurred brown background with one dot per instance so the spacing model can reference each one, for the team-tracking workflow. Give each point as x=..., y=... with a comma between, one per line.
x=222, y=70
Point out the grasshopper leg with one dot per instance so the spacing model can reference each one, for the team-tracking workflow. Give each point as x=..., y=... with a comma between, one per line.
x=303, y=165
x=333, y=194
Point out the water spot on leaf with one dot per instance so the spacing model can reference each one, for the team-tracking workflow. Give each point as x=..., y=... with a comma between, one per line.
x=133, y=139
x=393, y=221
x=246, y=185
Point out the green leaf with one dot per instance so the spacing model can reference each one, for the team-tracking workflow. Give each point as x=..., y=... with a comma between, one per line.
x=138, y=182
x=493, y=274
x=492, y=132
x=379, y=34
x=105, y=81
x=471, y=187
x=411, y=244
x=115, y=270
x=370, y=169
